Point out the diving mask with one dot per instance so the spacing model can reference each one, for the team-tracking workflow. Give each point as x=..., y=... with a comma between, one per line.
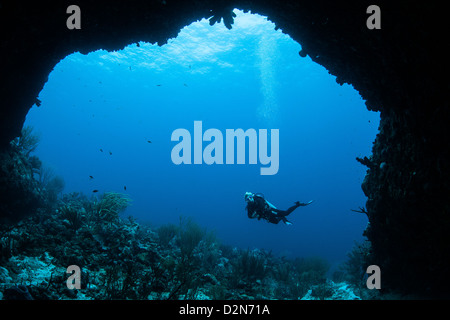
x=249, y=197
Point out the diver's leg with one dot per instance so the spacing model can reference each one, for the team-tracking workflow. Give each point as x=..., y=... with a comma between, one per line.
x=275, y=219
x=285, y=213
x=279, y=218
x=289, y=211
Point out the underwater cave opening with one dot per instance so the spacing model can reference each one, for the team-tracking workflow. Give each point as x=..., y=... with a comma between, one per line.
x=106, y=120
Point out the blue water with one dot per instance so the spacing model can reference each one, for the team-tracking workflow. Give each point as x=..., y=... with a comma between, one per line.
x=99, y=112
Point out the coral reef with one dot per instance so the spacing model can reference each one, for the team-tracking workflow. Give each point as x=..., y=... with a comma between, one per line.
x=122, y=259
x=331, y=291
x=20, y=193
x=26, y=185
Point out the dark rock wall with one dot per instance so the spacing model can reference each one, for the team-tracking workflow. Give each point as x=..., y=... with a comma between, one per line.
x=398, y=70
x=407, y=190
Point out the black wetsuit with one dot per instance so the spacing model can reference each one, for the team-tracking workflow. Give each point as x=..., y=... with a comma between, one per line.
x=260, y=209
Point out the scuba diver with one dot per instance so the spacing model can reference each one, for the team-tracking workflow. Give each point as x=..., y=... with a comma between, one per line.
x=258, y=207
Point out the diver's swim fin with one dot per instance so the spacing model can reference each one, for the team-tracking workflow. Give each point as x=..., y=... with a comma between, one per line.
x=302, y=204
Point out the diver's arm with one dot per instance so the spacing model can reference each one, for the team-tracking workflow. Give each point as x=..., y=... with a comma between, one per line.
x=252, y=215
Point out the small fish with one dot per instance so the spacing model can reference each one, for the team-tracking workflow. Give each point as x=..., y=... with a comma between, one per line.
x=185, y=84
x=125, y=188
x=137, y=44
x=38, y=102
x=91, y=177
x=110, y=153
x=149, y=141
x=158, y=85
x=95, y=191
x=101, y=150
x=130, y=68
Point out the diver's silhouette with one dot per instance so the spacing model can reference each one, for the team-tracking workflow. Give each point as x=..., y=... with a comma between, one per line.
x=260, y=208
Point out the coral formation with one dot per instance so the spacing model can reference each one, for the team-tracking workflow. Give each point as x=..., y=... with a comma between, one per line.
x=20, y=193
x=331, y=291
x=223, y=12
x=122, y=259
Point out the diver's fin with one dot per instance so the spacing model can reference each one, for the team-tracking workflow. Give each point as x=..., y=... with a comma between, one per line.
x=302, y=204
